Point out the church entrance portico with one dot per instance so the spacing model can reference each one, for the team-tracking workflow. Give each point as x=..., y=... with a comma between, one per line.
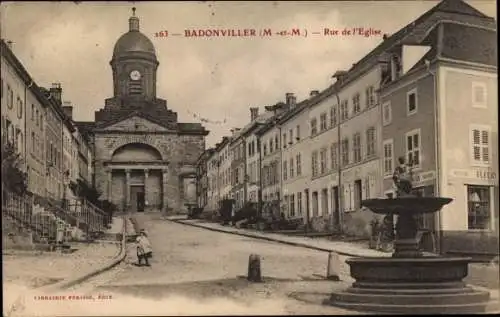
x=138, y=188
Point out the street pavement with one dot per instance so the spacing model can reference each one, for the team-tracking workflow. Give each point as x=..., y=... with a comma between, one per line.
x=201, y=272
x=485, y=275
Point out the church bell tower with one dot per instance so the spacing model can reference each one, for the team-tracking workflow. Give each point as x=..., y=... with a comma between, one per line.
x=134, y=66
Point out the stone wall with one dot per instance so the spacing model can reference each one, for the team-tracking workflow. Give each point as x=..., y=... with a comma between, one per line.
x=15, y=236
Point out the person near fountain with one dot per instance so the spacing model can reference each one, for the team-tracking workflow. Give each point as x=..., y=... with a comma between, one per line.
x=402, y=178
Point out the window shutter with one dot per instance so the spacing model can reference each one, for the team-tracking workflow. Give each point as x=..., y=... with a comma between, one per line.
x=476, y=147
x=485, y=146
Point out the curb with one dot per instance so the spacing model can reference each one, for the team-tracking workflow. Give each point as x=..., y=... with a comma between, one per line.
x=249, y=235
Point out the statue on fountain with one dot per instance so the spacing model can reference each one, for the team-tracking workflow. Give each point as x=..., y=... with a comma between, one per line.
x=402, y=178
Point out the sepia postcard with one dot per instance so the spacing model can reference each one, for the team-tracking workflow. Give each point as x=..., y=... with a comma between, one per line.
x=249, y=158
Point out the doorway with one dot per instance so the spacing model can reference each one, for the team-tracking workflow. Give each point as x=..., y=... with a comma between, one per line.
x=137, y=198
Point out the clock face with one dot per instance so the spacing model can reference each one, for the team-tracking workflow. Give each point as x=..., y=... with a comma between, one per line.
x=135, y=75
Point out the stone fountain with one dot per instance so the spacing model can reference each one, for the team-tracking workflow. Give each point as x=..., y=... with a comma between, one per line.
x=409, y=282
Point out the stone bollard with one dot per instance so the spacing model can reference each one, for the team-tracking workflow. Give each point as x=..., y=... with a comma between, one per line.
x=254, y=274
x=333, y=269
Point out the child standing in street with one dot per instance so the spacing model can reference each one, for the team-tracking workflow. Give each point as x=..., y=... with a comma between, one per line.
x=144, y=250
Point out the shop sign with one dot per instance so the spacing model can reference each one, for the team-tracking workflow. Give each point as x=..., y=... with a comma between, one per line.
x=424, y=177
x=486, y=174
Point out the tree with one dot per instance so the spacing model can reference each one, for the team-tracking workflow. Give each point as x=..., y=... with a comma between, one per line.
x=13, y=178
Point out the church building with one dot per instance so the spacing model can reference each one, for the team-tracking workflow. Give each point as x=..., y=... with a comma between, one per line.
x=145, y=160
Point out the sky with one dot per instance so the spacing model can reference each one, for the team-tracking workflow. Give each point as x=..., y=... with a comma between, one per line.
x=217, y=79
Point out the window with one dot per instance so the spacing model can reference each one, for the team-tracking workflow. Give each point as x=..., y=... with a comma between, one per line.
x=480, y=145
x=271, y=146
x=284, y=140
x=388, y=157
x=356, y=105
x=333, y=116
x=314, y=163
x=322, y=120
x=265, y=149
x=285, y=170
x=299, y=164
x=333, y=156
x=314, y=126
x=356, y=147
x=344, y=110
x=411, y=102
x=1, y=88
x=345, y=152
x=479, y=95
x=413, y=148
x=299, y=203
x=276, y=142
x=478, y=203
x=370, y=142
x=367, y=188
x=292, y=205
x=33, y=113
x=323, y=160
x=290, y=132
x=292, y=168
x=10, y=97
x=249, y=149
x=19, y=108
x=370, y=96
x=387, y=113
x=298, y=133
x=33, y=143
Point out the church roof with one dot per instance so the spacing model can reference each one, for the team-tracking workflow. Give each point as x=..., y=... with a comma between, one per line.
x=133, y=40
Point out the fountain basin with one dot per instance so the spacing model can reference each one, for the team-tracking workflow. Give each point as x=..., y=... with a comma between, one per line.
x=423, y=285
x=406, y=205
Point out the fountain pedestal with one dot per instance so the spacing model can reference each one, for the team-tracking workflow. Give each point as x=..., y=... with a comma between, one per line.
x=409, y=282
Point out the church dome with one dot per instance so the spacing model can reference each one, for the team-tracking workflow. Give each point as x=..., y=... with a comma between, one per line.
x=133, y=40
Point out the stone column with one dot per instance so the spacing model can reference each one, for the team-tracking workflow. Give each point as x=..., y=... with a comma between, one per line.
x=164, y=190
x=147, y=199
x=127, y=190
x=109, y=171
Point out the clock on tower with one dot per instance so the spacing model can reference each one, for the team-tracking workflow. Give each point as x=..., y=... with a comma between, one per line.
x=135, y=75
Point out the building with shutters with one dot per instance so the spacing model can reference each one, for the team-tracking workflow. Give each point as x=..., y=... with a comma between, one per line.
x=440, y=112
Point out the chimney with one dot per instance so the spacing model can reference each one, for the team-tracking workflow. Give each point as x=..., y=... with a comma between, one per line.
x=313, y=93
x=385, y=36
x=56, y=92
x=254, y=113
x=290, y=99
x=68, y=109
x=234, y=131
x=9, y=44
x=340, y=75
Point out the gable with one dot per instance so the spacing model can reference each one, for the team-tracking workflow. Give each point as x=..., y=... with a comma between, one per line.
x=135, y=123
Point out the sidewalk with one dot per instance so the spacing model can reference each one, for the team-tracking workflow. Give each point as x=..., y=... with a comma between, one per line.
x=342, y=248
x=23, y=270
